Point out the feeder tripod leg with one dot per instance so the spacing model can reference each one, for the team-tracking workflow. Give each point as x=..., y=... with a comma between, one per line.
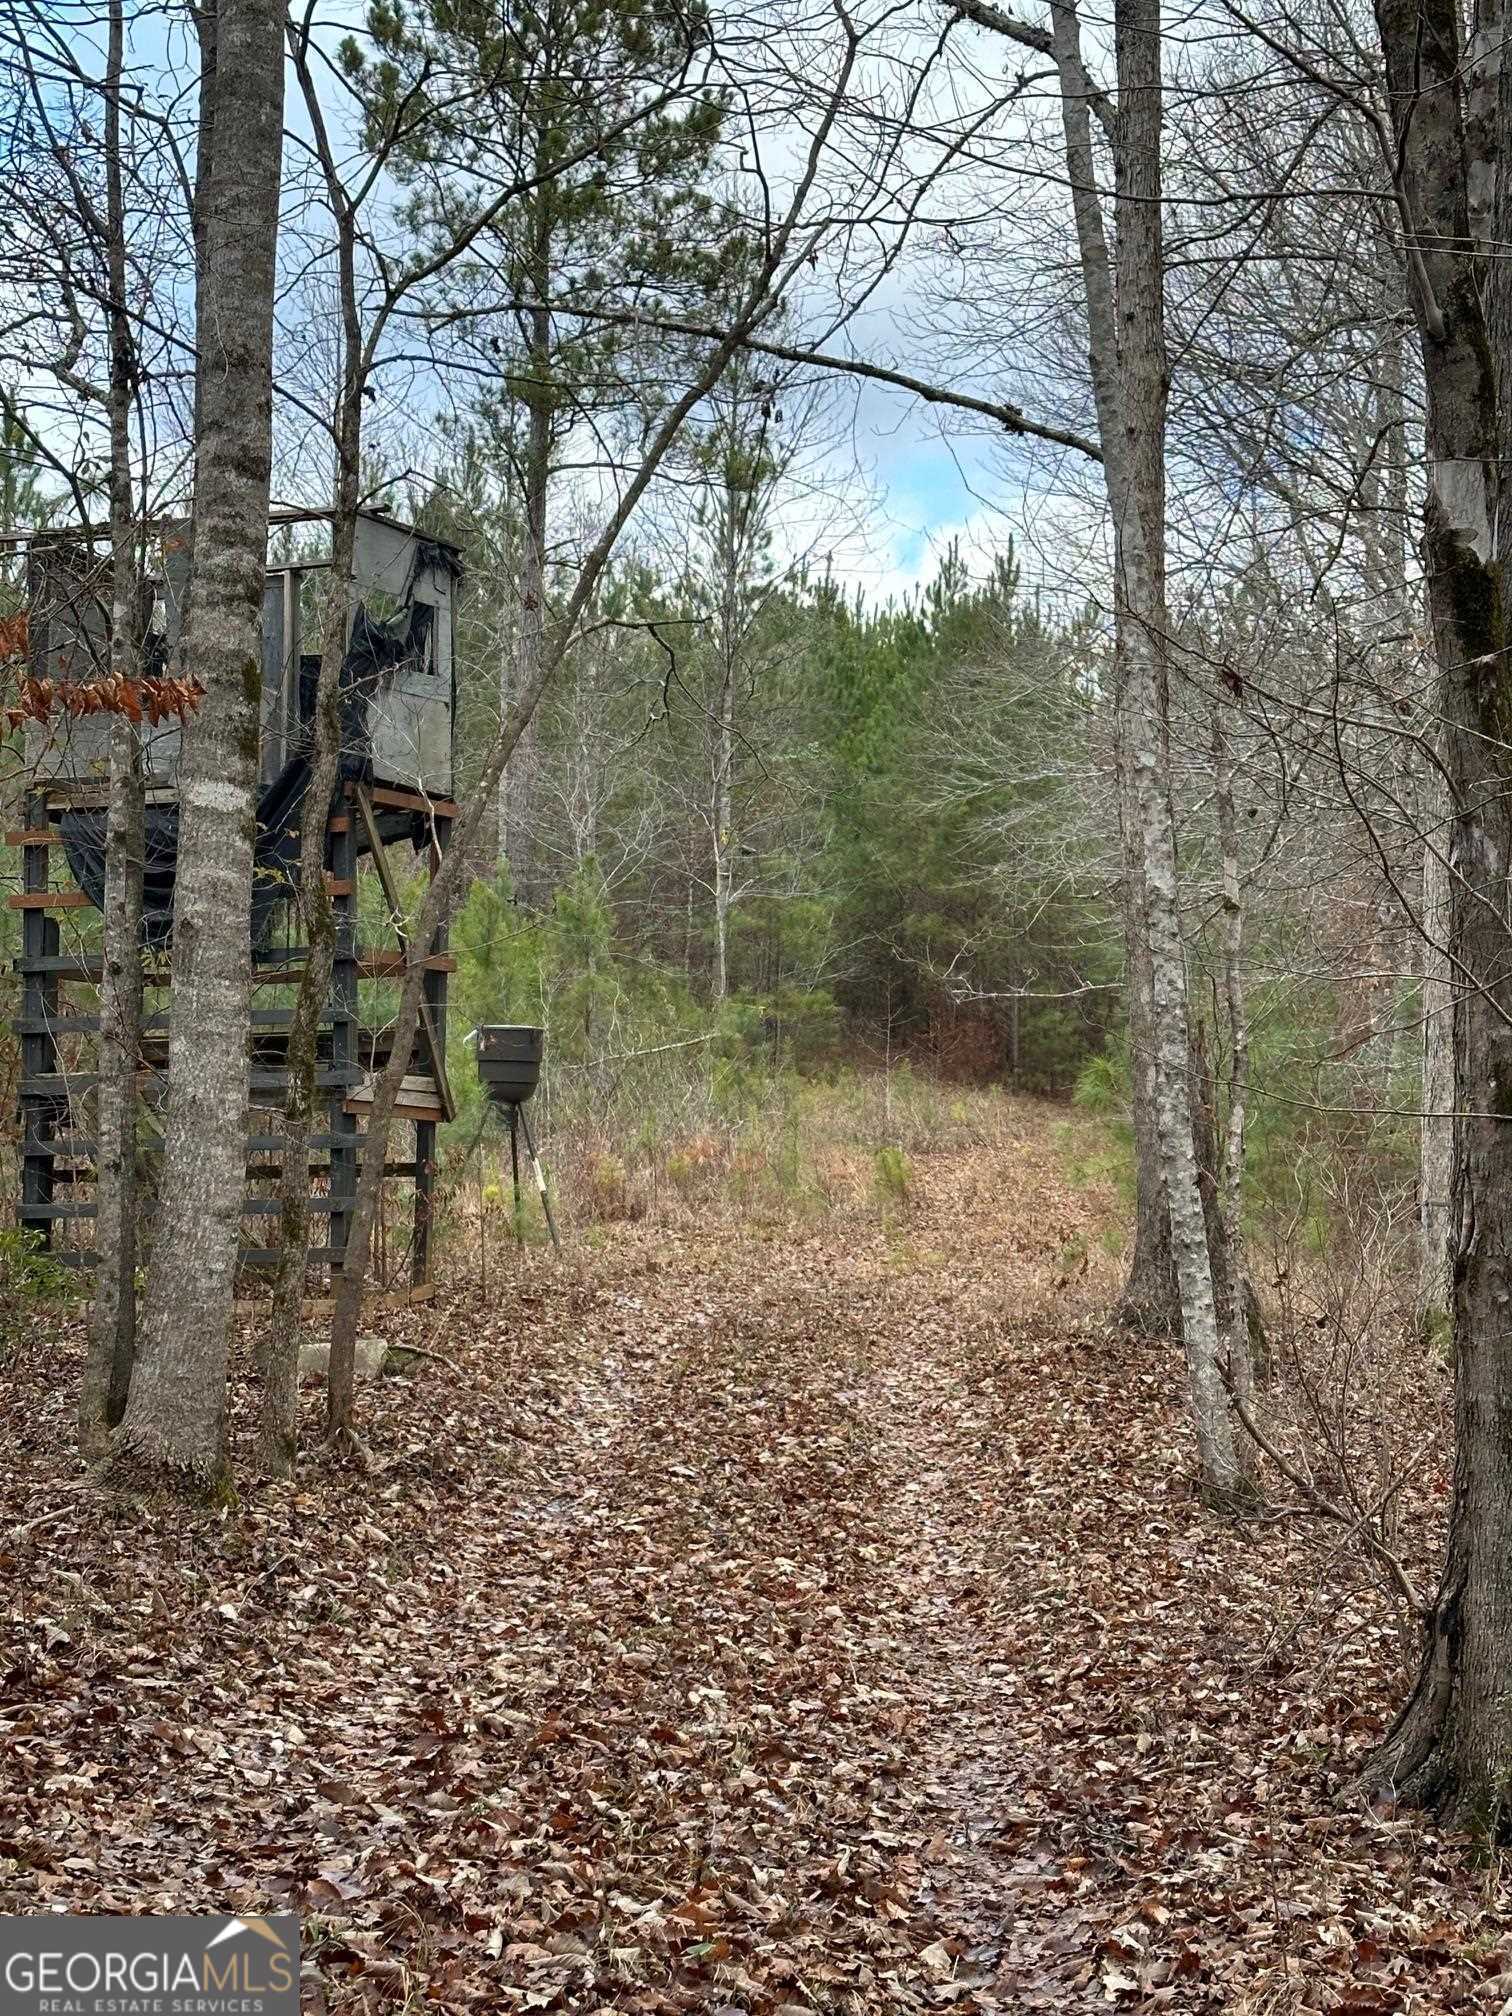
x=482, y=1222
x=540, y=1177
x=514, y=1166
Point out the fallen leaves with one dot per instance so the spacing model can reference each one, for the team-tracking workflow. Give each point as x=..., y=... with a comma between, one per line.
x=762, y=1624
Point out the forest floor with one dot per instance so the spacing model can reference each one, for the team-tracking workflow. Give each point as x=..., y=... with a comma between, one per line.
x=754, y=1618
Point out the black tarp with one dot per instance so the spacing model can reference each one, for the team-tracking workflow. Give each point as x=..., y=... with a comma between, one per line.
x=374, y=653
x=275, y=855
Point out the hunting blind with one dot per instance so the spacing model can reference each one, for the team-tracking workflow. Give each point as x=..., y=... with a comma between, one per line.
x=393, y=797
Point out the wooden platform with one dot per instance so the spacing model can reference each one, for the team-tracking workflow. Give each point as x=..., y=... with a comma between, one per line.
x=324, y=1305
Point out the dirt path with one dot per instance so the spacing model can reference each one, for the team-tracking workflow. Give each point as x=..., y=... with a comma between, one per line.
x=769, y=1619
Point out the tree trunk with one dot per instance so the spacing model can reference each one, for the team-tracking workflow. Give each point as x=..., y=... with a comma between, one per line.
x=1126, y=353
x=1150, y=1304
x=112, y=1326
x=1137, y=482
x=520, y=794
x=279, y=1414
x=112, y=1329
x=722, y=807
x=1234, y=1311
x=1451, y=1747
x=1436, y=1151
x=175, y=1417
x=723, y=845
x=1174, y=1114
x=1151, y=1300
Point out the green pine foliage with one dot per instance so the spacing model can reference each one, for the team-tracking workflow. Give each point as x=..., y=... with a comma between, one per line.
x=905, y=887
x=969, y=894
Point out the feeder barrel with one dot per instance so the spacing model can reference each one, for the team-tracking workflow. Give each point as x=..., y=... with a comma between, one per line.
x=509, y=1061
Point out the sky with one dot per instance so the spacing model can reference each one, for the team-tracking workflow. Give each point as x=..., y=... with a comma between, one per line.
x=893, y=485
x=905, y=488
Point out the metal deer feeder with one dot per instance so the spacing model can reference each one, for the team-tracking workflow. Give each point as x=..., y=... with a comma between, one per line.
x=509, y=1069
x=509, y=1061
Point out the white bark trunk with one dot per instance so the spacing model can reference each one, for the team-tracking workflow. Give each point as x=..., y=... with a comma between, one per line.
x=520, y=792
x=112, y=1335
x=1173, y=1109
x=175, y=1416
x=279, y=1413
x=1135, y=461
x=1151, y=1299
x=722, y=810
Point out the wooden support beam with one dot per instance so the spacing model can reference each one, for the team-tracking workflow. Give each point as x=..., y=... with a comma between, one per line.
x=67, y=1085
x=265, y=1021
x=259, y=1257
x=406, y=801
x=69, y=1147
x=48, y=899
x=402, y=1111
x=49, y=836
x=269, y=1207
x=267, y=1256
x=396, y=911
x=324, y=1305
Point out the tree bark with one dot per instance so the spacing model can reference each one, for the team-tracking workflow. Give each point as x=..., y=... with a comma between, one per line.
x=112, y=1329
x=174, y=1420
x=1151, y=1300
x=520, y=793
x=1136, y=475
x=1451, y=1747
x=732, y=509
x=1234, y=1311
x=1436, y=1144
x=1150, y=1304
x=277, y=1434
x=723, y=835
x=277, y=1438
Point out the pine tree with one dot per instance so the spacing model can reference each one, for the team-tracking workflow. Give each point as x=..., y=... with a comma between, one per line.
x=599, y=112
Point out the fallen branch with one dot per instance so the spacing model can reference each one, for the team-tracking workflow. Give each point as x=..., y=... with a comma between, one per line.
x=625, y=1056
x=424, y=1351
x=32, y=1525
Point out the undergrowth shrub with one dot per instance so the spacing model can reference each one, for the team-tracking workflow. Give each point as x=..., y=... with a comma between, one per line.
x=30, y=1281
x=1297, y=1148
x=1356, y=1397
x=607, y=1189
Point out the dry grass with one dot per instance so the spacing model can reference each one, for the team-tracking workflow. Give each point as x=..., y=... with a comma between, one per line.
x=771, y=1150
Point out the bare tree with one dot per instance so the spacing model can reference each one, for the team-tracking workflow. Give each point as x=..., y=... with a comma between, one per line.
x=112, y=1343
x=1123, y=298
x=373, y=282
x=91, y=362
x=174, y=1419
x=1451, y=1746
